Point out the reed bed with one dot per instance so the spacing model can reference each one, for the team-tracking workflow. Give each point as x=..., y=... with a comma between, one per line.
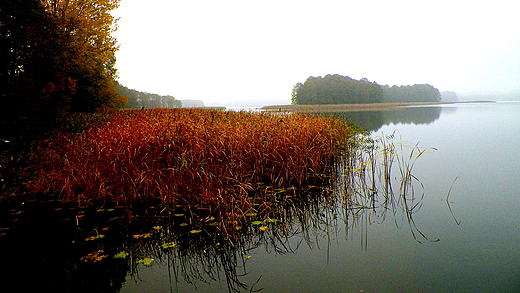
x=209, y=159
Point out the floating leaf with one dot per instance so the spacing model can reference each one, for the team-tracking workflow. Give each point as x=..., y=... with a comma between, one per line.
x=146, y=261
x=251, y=214
x=256, y=222
x=195, y=231
x=169, y=245
x=157, y=228
x=105, y=229
x=146, y=235
x=178, y=215
x=95, y=256
x=247, y=256
x=122, y=254
x=213, y=224
x=272, y=220
x=95, y=237
x=183, y=224
x=110, y=210
x=263, y=228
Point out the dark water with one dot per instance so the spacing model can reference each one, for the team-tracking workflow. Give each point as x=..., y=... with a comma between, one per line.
x=464, y=235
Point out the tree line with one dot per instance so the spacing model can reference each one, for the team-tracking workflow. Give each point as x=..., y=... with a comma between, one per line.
x=338, y=89
x=335, y=89
x=139, y=100
x=57, y=57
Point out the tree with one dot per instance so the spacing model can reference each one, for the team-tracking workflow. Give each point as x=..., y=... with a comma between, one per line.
x=56, y=57
x=411, y=93
x=86, y=28
x=137, y=99
x=336, y=89
x=294, y=93
x=29, y=65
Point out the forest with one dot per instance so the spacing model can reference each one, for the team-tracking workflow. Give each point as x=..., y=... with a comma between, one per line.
x=140, y=100
x=338, y=89
x=57, y=58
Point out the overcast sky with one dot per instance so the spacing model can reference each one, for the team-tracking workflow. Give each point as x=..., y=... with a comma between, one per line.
x=253, y=52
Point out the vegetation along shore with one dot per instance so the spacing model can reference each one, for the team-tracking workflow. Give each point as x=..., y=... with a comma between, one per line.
x=219, y=162
x=356, y=107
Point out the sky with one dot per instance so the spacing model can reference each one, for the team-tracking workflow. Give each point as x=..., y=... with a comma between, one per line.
x=250, y=53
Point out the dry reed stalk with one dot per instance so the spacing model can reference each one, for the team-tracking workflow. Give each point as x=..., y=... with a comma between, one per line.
x=206, y=158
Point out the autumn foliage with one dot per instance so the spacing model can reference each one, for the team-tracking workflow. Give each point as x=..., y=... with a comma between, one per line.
x=192, y=157
x=58, y=58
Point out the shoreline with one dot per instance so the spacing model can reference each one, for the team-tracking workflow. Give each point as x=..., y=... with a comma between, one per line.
x=358, y=107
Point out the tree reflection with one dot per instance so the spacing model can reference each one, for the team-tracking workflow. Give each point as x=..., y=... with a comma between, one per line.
x=374, y=120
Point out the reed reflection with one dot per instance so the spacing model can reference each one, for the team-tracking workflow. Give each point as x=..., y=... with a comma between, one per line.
x=374, y=180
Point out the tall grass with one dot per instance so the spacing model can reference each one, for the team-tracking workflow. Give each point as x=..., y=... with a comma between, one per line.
x=201, y=158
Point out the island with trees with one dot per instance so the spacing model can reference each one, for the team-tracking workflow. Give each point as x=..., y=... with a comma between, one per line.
x=338, y=89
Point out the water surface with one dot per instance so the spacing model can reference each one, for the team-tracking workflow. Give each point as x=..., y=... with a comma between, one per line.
x=474, y=169
x=462, y=236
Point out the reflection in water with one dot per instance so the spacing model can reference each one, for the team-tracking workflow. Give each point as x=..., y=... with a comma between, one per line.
x=367, y=183
x=374, y=120
x=93, y=250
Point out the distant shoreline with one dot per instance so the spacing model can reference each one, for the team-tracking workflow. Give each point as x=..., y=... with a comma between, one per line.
x=358, y=107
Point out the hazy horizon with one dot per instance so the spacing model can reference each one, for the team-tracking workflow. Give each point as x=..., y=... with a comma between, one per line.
x=252, y=53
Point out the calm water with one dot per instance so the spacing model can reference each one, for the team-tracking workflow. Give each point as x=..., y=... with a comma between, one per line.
x=463, y=240
x=479, y=240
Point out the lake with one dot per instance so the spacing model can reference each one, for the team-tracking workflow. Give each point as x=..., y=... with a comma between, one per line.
x=476, y=156
x=461, y=232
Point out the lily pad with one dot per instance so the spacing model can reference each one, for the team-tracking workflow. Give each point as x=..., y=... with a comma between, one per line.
x=195, y=231
x=256, y=222
x=146, y=261
x=169, y=245
x=99, y=236
x=122, y=254
x=139, y=236
x=96, y=256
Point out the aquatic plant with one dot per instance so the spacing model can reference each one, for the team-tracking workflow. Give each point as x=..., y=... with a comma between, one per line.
x=367, y=180
x=206, y=160
x=211, y=241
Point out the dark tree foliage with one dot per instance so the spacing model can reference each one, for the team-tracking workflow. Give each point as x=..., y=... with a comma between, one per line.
x=138, y=100
x=44, y=74
x=29, y=61
x=336, y=89
x=411, y=93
